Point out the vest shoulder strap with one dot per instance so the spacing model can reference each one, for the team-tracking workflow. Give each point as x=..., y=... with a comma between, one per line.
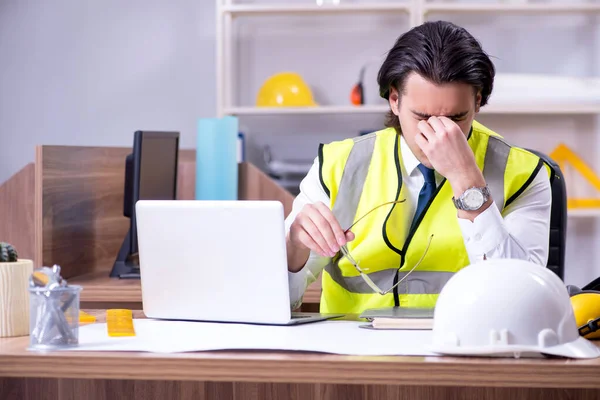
x=494, y=167
x=353, y=179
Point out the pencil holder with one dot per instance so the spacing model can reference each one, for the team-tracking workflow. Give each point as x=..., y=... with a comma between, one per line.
x=54, y=317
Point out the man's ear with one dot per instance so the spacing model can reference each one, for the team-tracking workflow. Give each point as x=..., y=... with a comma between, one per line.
x=393, y=100
x=478, y=101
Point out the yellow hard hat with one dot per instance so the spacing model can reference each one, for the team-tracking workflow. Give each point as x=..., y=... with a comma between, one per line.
x=586, y=307
x=285, y=89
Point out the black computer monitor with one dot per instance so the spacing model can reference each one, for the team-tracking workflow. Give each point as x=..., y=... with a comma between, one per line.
x=150, y=174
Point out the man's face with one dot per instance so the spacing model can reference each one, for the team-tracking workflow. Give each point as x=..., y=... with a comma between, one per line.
x=422, y=99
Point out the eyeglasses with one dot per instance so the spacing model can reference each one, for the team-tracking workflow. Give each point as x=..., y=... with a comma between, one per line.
x=361, y=271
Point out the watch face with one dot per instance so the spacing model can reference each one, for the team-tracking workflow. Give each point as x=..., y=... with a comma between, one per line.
x=473, y=199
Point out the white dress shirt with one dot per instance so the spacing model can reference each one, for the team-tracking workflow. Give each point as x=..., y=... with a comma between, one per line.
x=520, y=231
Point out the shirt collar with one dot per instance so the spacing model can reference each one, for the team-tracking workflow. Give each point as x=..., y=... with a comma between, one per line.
x=408, y=158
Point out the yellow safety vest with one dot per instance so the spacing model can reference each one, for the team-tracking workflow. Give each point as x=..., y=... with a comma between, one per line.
x=361, y=173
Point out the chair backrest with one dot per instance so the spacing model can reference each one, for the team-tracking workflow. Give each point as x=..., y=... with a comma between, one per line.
x=558, y=218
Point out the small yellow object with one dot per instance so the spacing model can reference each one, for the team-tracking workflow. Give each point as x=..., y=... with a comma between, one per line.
x=85, y=318
x=40, y=278
x=586, y=307
x=563, y=155
x=119, y=323
x=285, y=89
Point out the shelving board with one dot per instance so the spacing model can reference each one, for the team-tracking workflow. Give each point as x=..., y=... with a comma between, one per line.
x=512, y=108
x=583, y=213
x=320, y=110
x=409, y=7
x=512, y=8
x=539, y=107
x=241, y=9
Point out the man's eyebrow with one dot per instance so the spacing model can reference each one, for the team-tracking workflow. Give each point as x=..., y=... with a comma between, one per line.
x=426, y=116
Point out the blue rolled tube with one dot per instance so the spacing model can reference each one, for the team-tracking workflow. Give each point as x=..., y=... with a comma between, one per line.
x=216, y=159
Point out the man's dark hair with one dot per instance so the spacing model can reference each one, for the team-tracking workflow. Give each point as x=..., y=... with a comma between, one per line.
x=440, y=52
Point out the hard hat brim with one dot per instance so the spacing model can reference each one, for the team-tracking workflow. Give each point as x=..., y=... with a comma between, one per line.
x=579, y=348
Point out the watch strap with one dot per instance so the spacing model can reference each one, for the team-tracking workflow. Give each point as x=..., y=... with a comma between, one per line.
x=485, y=190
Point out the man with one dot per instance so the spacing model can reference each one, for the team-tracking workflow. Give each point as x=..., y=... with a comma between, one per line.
x=437, y=190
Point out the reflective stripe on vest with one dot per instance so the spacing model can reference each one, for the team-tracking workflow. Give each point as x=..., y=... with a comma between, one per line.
x=353, y=180
x=350, y=191
x=494, y=166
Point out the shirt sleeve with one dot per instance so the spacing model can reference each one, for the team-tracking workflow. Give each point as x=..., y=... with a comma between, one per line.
x=521, y=231
x=311, y=191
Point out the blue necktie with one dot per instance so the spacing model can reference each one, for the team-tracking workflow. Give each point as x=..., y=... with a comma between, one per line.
x=426, y=191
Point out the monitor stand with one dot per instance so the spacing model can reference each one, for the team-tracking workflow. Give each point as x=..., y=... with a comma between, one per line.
x=127, y=265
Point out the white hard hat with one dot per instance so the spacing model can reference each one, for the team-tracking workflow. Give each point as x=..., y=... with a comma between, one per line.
x=507, y=307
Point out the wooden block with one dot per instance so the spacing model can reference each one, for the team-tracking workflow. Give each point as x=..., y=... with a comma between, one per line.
x=14, y=297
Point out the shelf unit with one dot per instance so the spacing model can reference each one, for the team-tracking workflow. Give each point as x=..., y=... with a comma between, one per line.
x=418, y=11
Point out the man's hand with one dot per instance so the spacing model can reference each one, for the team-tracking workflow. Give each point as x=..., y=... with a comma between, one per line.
x=315, y=228
x=448, y=151
x=446, y=147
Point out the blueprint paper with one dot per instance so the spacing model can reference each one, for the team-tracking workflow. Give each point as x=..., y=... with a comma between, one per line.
x=335, y=337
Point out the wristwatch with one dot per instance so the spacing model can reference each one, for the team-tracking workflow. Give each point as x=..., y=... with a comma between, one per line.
x=472, y=199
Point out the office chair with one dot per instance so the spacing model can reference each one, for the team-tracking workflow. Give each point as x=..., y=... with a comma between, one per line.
x=558, y=218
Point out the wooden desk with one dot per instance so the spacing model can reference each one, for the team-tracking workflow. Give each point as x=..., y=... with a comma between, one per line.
x=284, y=375
x=101, y=291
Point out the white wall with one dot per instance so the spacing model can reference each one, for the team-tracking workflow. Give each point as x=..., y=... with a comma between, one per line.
x=91, y=73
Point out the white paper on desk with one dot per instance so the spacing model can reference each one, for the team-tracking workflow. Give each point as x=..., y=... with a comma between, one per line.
x=337, y=337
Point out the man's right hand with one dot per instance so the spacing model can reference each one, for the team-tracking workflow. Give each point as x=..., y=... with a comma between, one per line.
x=314, y=229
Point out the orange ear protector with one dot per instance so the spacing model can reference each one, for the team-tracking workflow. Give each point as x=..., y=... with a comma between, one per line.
x=357, y=94
x=586, y=307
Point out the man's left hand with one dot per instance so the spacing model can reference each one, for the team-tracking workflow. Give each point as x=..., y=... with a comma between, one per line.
x=446, y=147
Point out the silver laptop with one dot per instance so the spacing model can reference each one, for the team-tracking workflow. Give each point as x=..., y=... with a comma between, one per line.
x=220, y=261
